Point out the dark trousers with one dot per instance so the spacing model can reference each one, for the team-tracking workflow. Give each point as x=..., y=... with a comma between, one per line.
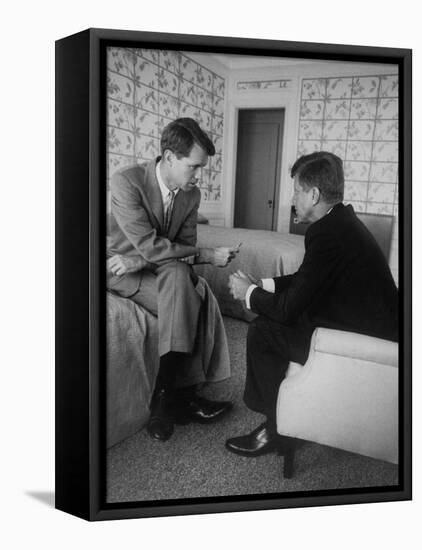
x=270, y=347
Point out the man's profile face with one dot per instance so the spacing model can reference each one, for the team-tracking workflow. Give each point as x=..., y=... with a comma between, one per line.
x=302, y=201
x=186, y=172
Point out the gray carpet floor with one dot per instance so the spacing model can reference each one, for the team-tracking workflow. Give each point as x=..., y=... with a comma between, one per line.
x=194, y=462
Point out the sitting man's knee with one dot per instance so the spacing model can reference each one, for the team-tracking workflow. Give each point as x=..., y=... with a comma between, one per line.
x=257, y=324
x=254, y=328
x=257, y=331
x=181, y=271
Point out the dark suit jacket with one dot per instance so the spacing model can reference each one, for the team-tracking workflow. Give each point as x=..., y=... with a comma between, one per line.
x=344, y=281
x=136, y=223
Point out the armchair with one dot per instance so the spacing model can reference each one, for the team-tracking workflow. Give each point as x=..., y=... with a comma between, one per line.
x=345, y=396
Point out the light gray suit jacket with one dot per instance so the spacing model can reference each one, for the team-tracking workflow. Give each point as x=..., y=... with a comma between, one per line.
x=136, y=223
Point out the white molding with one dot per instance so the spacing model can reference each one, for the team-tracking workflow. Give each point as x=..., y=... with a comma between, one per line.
x=254, y=99
x=288, y=148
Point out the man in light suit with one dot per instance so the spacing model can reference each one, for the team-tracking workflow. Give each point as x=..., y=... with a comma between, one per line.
x=344, y=283
x=151, y=249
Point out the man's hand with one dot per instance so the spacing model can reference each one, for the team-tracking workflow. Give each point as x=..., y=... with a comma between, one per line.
x=223, y=255
x=219, y=256
x=119, y=265
x=239, y=284
x=253, y=279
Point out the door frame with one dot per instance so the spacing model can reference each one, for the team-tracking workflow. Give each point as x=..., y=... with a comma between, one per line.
x=279, y=162
x=266, y=100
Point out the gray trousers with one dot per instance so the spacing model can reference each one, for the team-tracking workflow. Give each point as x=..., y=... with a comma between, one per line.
x=169, y=294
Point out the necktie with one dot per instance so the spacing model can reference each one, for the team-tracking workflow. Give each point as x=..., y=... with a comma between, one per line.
x=169, y=211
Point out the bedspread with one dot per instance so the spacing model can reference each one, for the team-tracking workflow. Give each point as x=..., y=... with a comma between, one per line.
x=132, y=366
x=263, y=254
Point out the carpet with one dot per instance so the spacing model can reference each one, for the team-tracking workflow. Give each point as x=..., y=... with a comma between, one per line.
x=194, y=462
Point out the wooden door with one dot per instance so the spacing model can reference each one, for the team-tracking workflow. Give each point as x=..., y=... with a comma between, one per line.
x=260, y=139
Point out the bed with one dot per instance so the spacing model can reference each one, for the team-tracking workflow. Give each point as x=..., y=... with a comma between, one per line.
x=263, y=254
x=132, y=366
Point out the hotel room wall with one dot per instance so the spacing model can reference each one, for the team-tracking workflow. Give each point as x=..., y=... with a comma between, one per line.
x=349, y=109
x=147, y=89
x=357, y=118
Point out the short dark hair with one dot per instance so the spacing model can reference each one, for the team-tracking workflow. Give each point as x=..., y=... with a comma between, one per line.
x=180, y=136
x=323, y=170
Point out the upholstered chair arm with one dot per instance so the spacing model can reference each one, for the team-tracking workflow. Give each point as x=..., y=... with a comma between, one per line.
x=355, y=346
x=346, y=395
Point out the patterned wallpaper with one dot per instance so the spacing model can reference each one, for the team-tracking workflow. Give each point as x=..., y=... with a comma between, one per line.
x=147, y=89
x=357, y=119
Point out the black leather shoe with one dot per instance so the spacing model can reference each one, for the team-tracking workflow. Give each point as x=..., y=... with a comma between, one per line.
x=160, y=424
x=199, y=409
x=257, y=443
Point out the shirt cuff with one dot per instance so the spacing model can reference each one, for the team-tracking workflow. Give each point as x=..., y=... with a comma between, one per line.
x=188, y=260
x=268, y=285
x=248, y=295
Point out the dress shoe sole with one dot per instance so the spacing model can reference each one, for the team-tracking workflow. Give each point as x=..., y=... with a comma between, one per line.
x=189, y=418
x=184, y=420
x=267, y=449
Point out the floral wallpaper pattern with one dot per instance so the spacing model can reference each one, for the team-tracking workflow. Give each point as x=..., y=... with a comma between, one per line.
x=263, y=84
x=357, y=119
x=147, y=89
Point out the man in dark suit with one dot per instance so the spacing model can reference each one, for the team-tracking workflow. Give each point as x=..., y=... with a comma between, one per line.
x=344, y=282
x=151, y=249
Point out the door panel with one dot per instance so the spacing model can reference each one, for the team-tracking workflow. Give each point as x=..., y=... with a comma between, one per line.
x=258, y=168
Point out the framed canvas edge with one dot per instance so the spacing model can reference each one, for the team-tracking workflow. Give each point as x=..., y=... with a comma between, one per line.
x=96, y=508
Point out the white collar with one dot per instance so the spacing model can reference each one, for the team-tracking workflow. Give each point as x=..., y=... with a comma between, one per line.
x=165, y=191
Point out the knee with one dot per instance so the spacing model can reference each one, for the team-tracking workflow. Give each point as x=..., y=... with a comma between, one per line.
x=183, y=271
x=256, y=334
x=178, y=272
x=174, y=268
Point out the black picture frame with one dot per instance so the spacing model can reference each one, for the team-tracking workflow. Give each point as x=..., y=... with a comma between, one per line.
x=80, y=277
